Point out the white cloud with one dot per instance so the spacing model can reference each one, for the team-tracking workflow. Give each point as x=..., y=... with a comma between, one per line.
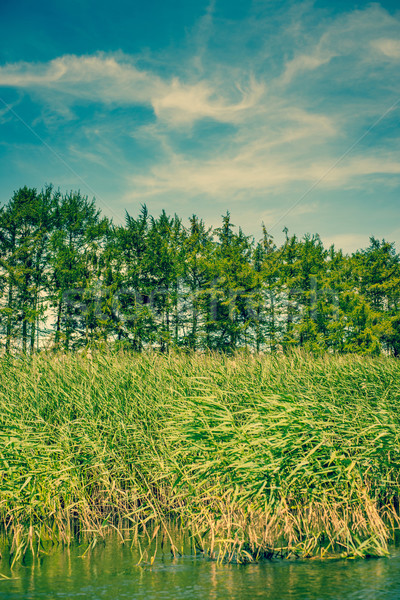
x=183, y=103
x=351, y=39
x=99, y=77
x=292, y=109
x=238, y=176
x=347, y=172
x=305, y=62
x=388, y=47
x=111, y=79
x=348, y=242
x=351, y=242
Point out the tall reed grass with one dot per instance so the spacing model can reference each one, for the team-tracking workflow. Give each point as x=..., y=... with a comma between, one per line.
x=251, y=456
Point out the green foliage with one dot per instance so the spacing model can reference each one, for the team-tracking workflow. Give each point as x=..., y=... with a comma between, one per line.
x=76, y=245
x=26, y=224
x=69, y=278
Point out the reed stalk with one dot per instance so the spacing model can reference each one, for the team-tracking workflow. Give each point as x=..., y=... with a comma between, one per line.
x=253, y=456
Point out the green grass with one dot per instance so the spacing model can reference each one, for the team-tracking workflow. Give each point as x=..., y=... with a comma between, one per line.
x=251, y=456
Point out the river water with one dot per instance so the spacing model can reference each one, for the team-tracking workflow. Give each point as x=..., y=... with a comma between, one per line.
x=111, y=572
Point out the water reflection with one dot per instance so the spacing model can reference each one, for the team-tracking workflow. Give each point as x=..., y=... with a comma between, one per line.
x=111, y=572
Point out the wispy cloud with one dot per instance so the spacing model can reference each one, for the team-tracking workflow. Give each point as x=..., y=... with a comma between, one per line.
x=116, y=79
x=239, y=177
x=233, y=124
x=388, y=47
x=305, y=62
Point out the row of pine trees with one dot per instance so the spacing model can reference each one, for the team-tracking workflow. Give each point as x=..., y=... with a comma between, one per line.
x=70, y=278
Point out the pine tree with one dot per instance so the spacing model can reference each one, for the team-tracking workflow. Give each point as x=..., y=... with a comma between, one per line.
x=269, y=295
x=66, y=270
x=75, y=244
x=26, y=223
x=197, y=251
x=233, y=283
x=379, y=280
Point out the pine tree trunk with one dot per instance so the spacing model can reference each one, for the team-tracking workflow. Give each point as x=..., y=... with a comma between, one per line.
x=58, y=325
x=33, y=326
x=272, y=324
x=24, y=335
x=9, y=319
x=193, y=341
x=176, y=315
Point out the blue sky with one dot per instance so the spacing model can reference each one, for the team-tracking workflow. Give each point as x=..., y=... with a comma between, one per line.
x=285, y=113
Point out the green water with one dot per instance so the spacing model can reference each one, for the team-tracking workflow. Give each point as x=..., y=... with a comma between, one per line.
x=110, y=572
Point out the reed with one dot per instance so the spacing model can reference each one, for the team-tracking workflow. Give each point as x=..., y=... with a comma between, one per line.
x=252, y=456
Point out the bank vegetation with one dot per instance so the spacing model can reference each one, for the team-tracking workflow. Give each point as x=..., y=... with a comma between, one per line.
x=249, y=455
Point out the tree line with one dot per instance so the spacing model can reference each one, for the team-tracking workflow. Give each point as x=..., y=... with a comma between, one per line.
x=70, y=278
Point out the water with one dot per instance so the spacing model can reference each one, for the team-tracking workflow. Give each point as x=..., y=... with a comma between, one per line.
x=110, y=572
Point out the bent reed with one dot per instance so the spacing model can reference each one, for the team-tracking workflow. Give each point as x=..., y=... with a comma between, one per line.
x=252, y=456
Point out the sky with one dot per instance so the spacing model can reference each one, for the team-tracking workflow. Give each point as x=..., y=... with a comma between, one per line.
x=280, y=112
